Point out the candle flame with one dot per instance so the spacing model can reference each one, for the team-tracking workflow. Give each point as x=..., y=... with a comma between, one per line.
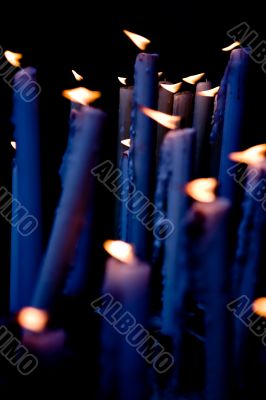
x=231, y=46
x=169, y=121
x=210, y=92
x=33, y=319
x=193, y=78
x=77, y=76
x=202, y=189
x=81, y=95
x=173, y=88
x=251, y=156
x=259, y=306
x=120, y=250
x=122, y=80
x=13, y=58
x=126, y=142
x=160, y=73
x=140, y=41
x=13, y=144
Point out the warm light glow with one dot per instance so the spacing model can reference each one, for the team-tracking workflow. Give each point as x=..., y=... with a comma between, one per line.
x=202, y=189
x=122, y=80
x=173, y=88
x=194, y=78
x=259, y=306
x=33, y=319
x=81, y=95
x=160, y=73
x=13, y=144
x=126, y=142
x=251, y=156
x=122, y=251
x=13, y=58
x=169, y=121
x=140, y=41
x=231, y=47
x=210, y=92
x=77, y=76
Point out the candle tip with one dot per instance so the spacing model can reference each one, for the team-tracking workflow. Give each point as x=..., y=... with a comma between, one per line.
x=169, y=121
x=33, y=319
x=202, y=189
x=126, y=142
x=194, y=78
x=122, y=80
x=13, y=58
x=173, y=88
x=77, y=76
x=81, y=95
x=140, y=41
x=120, y=250
x=251, y=156
x=231, y=46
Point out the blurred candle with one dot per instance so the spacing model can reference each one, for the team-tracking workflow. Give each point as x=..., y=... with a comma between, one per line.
x=74, y=203
x=125, y=109
x=123, y=217
x=183, y=106
x=25, y=264
x=143, y=140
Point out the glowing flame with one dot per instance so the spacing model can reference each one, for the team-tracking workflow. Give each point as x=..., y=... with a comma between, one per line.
x=169, y=121
x=13, y=144
x=202, y=189
x=232, y=46
x=126, y=142
x=259, y=306
x=13, y=58
x=81, y=95
x=251, y=156
x=194, y=78
x=122, y=251
x=140, y=41
x=210, y=92
x=77, y=76
x=33, y=319
x=173, y=88
x=160, y=73
x=122, y=80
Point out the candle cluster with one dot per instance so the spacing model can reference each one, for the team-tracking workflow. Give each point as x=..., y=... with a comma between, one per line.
x=189, y=220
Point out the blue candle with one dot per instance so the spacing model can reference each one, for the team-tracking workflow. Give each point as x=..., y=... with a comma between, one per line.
x=74, y=203
x=123, y=216
x=26, y=264
x=142, y=150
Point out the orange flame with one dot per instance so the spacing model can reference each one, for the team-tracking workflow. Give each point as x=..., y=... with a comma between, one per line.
x=13, y=144
x=33, y=319
x=210, y=92
x=140, y=41
x=231, y=46
x=202, y=189
x=122, y=80
x=173, y=88
x=259, y=306
x=251, y=156
x=77, y=76
x=13, y=58
x=126, y=142
x=169, y=121
x=120, y=250
x=193, y=78
x=160, y=73
x=81, y=95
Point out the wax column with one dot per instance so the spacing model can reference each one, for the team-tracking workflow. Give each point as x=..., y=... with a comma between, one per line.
x=183, y=106
x=143, y=136
x=71, y=212
x=123, y=217
x=233, y=121
x=208, y=251
x=125, y=109
x=27, y=136
x=126, y=282
x=165, y=105
x=202, y=116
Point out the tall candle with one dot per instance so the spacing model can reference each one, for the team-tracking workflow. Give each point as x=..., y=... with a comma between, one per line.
x=27, y=136
x=123, y=217
x=183, y=106
x=125, y=108
x=233, y=120
x=71, y=212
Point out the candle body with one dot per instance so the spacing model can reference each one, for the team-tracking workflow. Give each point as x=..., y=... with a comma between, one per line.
x=165, y=105
x=124, y=120
x=27, y=136
x=74, y=203
x=202, y=115
x=142, y=151
x=123, y=215
x=183, y=106
x=233, y=123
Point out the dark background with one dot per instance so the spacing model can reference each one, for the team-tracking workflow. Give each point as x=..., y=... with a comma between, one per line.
x=88, y=38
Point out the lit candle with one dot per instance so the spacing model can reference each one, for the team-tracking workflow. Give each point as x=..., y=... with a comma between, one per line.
x=183, y=106
x=74, y=203
x=143, y=137
x=125, y=109
x=27, y=185
x=123, y=217
x=207, y=259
